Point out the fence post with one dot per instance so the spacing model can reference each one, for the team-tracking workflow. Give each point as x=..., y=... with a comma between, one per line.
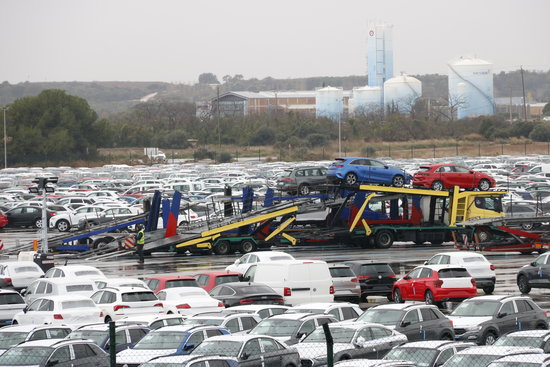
x=330, y=346
x=112, y=343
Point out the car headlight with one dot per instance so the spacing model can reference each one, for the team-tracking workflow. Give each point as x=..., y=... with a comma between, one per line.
x=474, y=328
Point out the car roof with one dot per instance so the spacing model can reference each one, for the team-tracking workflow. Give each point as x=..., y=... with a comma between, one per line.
x=268, y=254
x=235, y=337
x=254, y=307
x=218, y=273
x=496, y=297
x=29, y=328
x=529, y=333
x=170, y=277
x=105, y=327
x=530, y=357
x=438, y=267
x=295, y=316
x=401, y=306
x=433, y=344
x=323, y=305
x=496, y=350
x=460, y=254
x=60, y=298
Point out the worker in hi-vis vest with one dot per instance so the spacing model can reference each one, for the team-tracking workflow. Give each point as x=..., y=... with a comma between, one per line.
x=140, y=241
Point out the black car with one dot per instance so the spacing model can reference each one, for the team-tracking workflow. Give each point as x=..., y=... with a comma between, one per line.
x=535, y=275
x=246, y=293
x=125, y=335
x=483, y=319
x=375, y=278
x=431, y=353
x=416, y=321
x=27, y=216
x=528, y=338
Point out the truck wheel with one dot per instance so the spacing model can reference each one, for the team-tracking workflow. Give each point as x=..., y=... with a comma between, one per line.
x=383, y=239
x=247, y=246
x=222, y=248
x=63, y=225
x=483, y=236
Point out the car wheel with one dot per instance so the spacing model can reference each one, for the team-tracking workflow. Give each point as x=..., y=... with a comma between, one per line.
x=523, y=285
x=222, y=248
x=397, y=296
x=63, y=225
x=484, y=184
x=489, y=338
x=304, y=189
x=247, y=246
x=429, y=298
x=483, y=236
x=38, y=223
x=398, y=181
x=383, y=239
x=351, y=179
x=437, y=186
x=527, y=226
x=446, y=336
x=489, y=289
x=542, y=326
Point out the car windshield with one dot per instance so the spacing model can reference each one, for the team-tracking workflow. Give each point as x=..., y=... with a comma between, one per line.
x=252, y=289
x=476, y=308
x=276, y=327
x=25, y=356
x=517, y=341
x=138, y=296
x=341, y=273
x=422, y=357
x=96, y=335
x=339, y=335
x=215, y=322
x=218, y=348
x=514, y=364
x=227, y=279
x=381, y=316
x=470, y=360
x=9, y=339
x=161, y=340
x=305, y=310
x=181, y=283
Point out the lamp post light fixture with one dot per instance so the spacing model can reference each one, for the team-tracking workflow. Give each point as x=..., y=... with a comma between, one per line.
x=42, y=188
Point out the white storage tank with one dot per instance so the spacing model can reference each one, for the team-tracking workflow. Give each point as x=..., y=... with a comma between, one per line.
x=366, y=100
x=471, y=87
x=329, y=102
x=401, y=92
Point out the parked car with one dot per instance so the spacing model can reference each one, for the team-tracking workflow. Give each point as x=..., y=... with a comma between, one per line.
x=59, y=310
x=126, y=336
x=245, y=293
x=522, y=360
x=242, y=264
x=351, y=341
x=192, y=361
x=26, y=216
x=262, y=311
x=483, y=356
x=355, y=170
x=188, y=301
x=521, y=210
x=433, y=353
x=233, y=322
x=19, y=274
x=16, y=334
x=121, y=282
x=446, y=176
x=56, y=352
x=374, y=363
x=159, y=282
x=116, y=303
x=67, y=220
x=375, y=278
x=483, y=319
x=302, y=180
x=152, y=322
x=75, y=271
x=250, y=350
x=44, y=287
x=535, y=274
x=11, y=303
x=416, y=321
x=477, y=265
x=340, y=310
x=346, y=284
x=208, y=280
x=435, y=284
x=291, y=328
x=169, y=340
x=526, y=338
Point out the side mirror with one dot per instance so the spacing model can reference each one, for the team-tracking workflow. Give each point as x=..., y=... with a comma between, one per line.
x=406, y=277
x=245, y=356
x=386, y=167
x=472, y=172
x=189, y=347
x=23, y=291
x=242, y=278
x=405, y=323
x=52, y=363
x=426, y=262
x=501, y=315
x=25, y=309
x=300, y=335
x=533, y=263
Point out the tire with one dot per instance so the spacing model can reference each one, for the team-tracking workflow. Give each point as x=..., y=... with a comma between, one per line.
x=398, y=181
x=541, y=327
x=489, y=338
x=351, y=179
x=63, y=225
x=523, y=285
x=429, y=298
x=397, y=296
x=446, y=336
x=483, y=236
x=304, y=189
x=99, y=243
x=437, y=185
x=38, y=223
x=247, y=246
x=489, y=289
x=419, y=243
x=383, y=239
x=527, y=226
x=222, y=248
x=484, y=185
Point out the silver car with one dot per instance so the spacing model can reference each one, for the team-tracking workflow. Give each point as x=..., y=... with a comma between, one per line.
x=346, y=284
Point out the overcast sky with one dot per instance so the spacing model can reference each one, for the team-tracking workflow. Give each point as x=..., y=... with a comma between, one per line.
x=176, y=40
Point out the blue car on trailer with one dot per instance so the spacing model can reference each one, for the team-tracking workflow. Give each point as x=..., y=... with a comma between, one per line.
x=355, y=170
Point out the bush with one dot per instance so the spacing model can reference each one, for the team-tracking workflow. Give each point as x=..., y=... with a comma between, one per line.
x=224, y=157
x=317, y=140
x=368, y=150
x=540, y=132
x=203, y=153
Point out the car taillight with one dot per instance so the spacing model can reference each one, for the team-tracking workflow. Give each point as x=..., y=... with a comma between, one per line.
x=473, y=282
x=451, y=322
x=287, y=292
x=492, y=267
x=220, y=304
x=57, y=317
x=354, y=280
x=7, y=280
x=287, y=179
x=158, y=304
x=101, y=314
x=392, y=275
x=361, y=277
x=184, y=305
x=51, y=214
x=280, y=300
x=245, y=301
x=339, y=166
x=438, y=283
x=331, y=289
x=118, y=307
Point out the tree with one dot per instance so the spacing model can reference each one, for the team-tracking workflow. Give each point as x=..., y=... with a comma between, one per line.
x=208, y=78
x=546, y=109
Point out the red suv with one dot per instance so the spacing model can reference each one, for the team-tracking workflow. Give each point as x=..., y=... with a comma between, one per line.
x=446, y=176
x=209, y=280
x=434, y=284
x=158, y=283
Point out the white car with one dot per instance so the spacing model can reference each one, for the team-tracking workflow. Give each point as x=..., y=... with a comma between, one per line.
x=188, y=301
x=238, y=323
x=19, y=274
x=66, y=220
x=124, y=301
x=477, y=265
x=153, y=322
x=60, y=310
x=75, y=271
x=242, y=264
x=121, y=282
x=44, y=287
x=11, y=303
x=340, y=310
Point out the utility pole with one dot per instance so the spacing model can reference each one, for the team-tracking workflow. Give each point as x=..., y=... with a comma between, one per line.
x=5, y=139
x=524, y=103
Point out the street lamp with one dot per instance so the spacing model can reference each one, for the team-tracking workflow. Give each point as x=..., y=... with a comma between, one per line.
x=217, y=85
x=5, y=139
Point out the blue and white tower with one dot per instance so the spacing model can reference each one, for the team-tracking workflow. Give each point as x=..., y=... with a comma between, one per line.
x=379, y=54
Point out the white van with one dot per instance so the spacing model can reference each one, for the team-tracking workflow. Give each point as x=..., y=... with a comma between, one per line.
x=298, y=281
x=542, y=169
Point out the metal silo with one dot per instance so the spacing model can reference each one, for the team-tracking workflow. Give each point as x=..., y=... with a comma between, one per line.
x=401, y=92
x=367, y=100
x=379, y=54
x=471, y=87
x=329, y=102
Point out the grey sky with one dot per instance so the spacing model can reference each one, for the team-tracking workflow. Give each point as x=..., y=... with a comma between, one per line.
x=176, y=40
